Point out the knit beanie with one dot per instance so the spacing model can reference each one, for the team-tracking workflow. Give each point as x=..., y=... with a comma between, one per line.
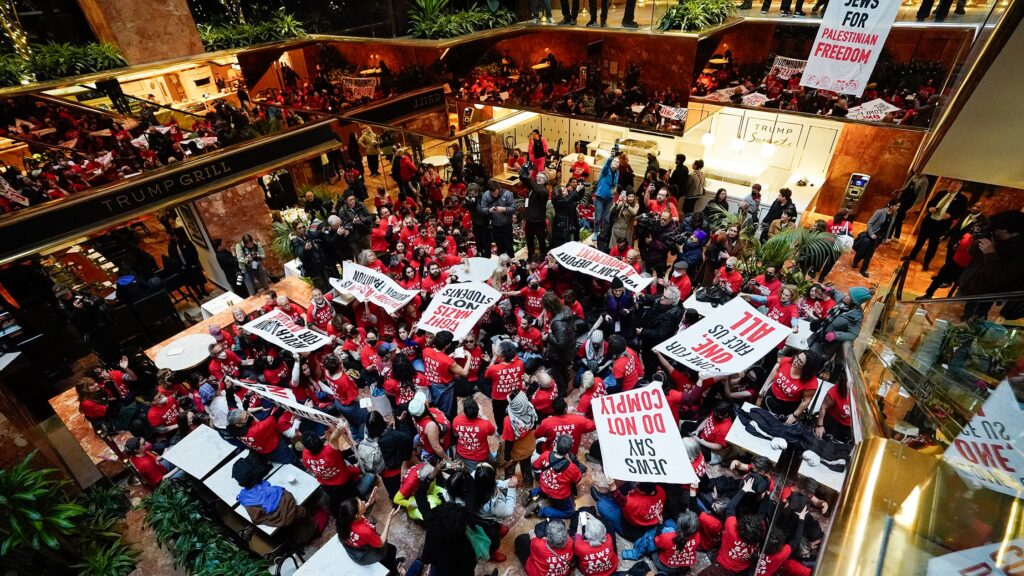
x=859, y=295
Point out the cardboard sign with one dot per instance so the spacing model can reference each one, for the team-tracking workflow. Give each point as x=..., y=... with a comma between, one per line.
x=988, y=450
x=278, y=329
x=847, y=46
x=784, y=68
x=727, y=341
x=457, y=308
x=640, y=441
x=366, y=284
x=360, y=87
x=284, y=398
x=593, y=262
x=873, y=111
x=998, y=559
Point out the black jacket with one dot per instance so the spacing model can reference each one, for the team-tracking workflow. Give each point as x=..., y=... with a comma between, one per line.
x=567, y=219
x=956, y=210
x=659, y=322
x=537, y=203
x=561, y=345
x=314, y=259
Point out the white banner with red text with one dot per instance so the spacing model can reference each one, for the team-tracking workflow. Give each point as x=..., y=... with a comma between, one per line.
x=366, y=284
x=727, y=341
x=671, y=113
x=284, y=398
x=457, y=308
x=873, y=111
x=279, y=329
x=847, y=46
x=640, y=440
x=997, y=559
x=988, y=450
x=593, y=262
x=783, y=68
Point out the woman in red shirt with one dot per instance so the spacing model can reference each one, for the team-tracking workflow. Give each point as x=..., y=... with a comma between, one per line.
x=471, y=433
x=677, y=551
x=741, y=539
x=594, y=548
x=360, y=538
x=548, y=556
x=790, y=386
x=840, y=223
x=834, y=417
x=322, y=458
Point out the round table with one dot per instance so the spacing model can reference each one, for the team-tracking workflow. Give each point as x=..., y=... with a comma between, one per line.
x=369, y=72
x=189, y=352
x=541, y=66
x=436, y=161
x=474, y=270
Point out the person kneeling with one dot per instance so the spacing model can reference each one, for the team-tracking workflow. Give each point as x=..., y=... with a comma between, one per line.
x=360, y=538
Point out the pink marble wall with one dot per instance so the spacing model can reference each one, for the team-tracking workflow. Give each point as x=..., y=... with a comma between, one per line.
x=238, y=210
x=144, y=31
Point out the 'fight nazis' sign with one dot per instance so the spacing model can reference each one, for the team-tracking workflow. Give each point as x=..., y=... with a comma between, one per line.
x=582, y=258
x=457, y=308
x=367, y=284
x=284, y=398
x=278, y=328
x=850, y=38
x=988, y=450
x=640, y=441
x=727, y=341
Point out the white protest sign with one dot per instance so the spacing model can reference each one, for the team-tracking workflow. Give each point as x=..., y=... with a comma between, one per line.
x=367, y=284
x=726, y=94
x=278, y=328
x=640, y=441
x=670, y=113
x=593, y=262
x=284, y=398
x=783, y=68
x=457, y=308
x=997, y=559
x=726, y=341
x=754, y=99
x=360, y=87
x=8, y=191
x=847, y=46
x=988, y=450
x=873, y=111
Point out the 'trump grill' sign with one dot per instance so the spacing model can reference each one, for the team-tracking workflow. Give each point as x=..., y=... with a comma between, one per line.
x=278, y=329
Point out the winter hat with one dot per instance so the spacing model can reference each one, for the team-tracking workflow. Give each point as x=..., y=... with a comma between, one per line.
x=207, y=392
x=214, y=331
x=859, y=295
x=617, y=283
x=418, y=404
x=597, y=337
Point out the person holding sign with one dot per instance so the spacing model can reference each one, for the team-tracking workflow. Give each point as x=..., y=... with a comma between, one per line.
x=441, y=370
x=261, y=436
x=790, y=386
x=346, y=395
x=322, y=457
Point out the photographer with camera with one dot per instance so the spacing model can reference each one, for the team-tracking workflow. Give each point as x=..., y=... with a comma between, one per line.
x=657, y=240
x=623, y=217
x=535, y=227
x=565, y=226
x=607, y=184
x=250, y=255
x=480, y=220
x=307, y=247
x=998, y=265
x=358, y=220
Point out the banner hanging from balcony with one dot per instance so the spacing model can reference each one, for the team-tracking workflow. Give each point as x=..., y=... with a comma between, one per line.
x=847, y=46
x=989, y=450
x=783, y=68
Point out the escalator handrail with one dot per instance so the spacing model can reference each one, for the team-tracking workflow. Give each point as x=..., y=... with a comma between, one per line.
x=975, y=298
x=867, y=419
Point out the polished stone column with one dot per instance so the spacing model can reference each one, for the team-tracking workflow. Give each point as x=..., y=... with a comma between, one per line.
x=144, y=31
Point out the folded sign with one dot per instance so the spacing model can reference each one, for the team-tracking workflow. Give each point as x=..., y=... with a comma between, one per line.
x=366, y=284
x=582, y=258
x=727, y=341
x=988, y=450
x=457, y=308
x=278, y=328
x=284, y=398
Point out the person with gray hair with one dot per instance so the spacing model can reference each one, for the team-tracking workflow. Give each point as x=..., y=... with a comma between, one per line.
x=547, y=551
x=658, y=322
x=677, y=550
x=594, y=547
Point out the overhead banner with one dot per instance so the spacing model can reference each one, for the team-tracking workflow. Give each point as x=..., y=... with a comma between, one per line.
x=366, y=284
x=278, y=328
x=873, y=111
x=640, y=440
x=784, y=68
x=284, y=398
x=997, y=559
x=593, y=262
x=847, y=46
x=726, y=342
x=457, y=308
x=988, y=450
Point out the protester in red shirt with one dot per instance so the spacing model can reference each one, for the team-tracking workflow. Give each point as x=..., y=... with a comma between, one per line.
x=816, y=304
x=834, y=419
x=728, y=277
x=678, y=277
x=322, y=458
x=146, y=463
x=594, y=548
x=294, y=311
x=790, y=386
x=711, y=433
x=163, y=412
x=320, y=312
x=434, y=280
x=766, y=284
x=441, y=370
x=506, y=378
x=741, y=539
x=223, y=362
x=626, y=368
x=434, y=428
x=262, y=436
x=560, y=423
x=677, y=550
x=356, y=532
x=532, y=296
x=528, y=336
x=548, y=556
x=557, y=473
x=471, y=432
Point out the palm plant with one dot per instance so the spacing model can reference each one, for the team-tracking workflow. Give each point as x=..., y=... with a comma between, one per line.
x=13, y=70
x=697, y=15
x=104, y=56
x=434, y=19
x=38, y=515
x=114, y=559
x=281, y=245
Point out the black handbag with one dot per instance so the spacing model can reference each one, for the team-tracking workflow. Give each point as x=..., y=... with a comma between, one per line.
x=861, y=240
x=714, y=295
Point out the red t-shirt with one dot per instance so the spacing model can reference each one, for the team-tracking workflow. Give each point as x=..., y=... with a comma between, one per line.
x=530, y=339
x=674, y=557
x=226, y=367
x=149, y=468
x=715, y=432
x=627, y=369
x=532, y=300
x=363, y=535
x=432, y=285
x=404, y=395
x=735, y=555
x=786, y=388
x=575, y=425
x=166, y=415
x=769, y=564
x=840, y=408
x=261, y=436
x=554, y=484
x=472, y=363
x=328, y=467
x=782, y=313
x=767, y=287
x=442, y=421
x=542, y=399
x=342, y=387
x=471, y=442
x=505, y=377
x=92, y=410
x=544, y=561
x=411, y=481
x=682, y=282
x=599, y=560
x=321, y=317
x=117, y=378
x=436, y=366
x=644, y=509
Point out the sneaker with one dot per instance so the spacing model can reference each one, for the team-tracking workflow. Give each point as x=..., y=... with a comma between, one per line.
x=592, y=24
x=764, y=11
x=630, y=24
x=531, y=509
x=799, y=14
x=785, y=14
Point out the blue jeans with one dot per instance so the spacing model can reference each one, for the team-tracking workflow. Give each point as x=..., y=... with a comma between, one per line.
x=283, y=454
x=560, y=508
x=356, y=416
x=609, y=511
x=602, y=215
x=442, y=397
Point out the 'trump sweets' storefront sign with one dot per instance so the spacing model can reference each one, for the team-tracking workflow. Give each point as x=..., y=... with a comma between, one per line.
x=988, y=450
x=727, y=341
x=582, y=258
x=284, y=398
x=639, y=438
x=367, y=284
x=278, y=329
x=457, y=308
x=849, y=41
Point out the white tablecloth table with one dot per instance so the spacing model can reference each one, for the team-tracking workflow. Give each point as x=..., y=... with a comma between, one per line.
x=823, y=475
x=473, y=270
x=301, y=489
x=798, y=339
x=332, y=559
x=185, y=353
x=436, y=161
x=200, y=452
x=740, y=438
x=219, y=304
x=222, y=484
x=702, y=308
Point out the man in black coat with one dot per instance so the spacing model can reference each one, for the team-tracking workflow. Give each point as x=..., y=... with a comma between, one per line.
x=229, y=265
x=184, y=257
x=659, y=322
x=307, y=247
x=943, y=209
x=536, y=215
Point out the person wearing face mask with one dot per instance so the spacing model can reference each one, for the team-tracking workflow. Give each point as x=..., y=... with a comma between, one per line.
x=320, y=312
x=766, y=284
x=223, y=362
x=728, y=278
x=607, y=184
x=781, y=307
x=163, y=412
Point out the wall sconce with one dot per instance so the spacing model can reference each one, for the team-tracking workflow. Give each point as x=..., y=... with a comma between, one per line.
x=707, y=140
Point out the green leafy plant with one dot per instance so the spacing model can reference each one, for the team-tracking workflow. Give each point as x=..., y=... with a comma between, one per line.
x=274, y=27
x=104, y=56
x=114, y=559
x=13, y=70
x=281, y=245
x=61, y=59
x=36, y=512
x=434, y=19
x=697, y=15
x=105, y=502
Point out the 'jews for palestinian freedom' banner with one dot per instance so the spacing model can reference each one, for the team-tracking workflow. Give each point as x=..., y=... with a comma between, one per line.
x=366, y=284
x=278, y=328
x=583, y=258
x=457, y=308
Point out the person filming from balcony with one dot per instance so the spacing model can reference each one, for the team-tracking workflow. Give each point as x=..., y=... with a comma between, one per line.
x=998, y=265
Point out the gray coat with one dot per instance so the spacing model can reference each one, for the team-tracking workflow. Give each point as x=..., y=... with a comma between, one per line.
x=877, y=222
x=505, y=200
